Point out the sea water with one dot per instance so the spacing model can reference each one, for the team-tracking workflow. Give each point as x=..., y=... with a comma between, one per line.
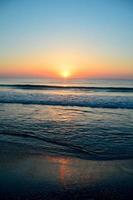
x=92, y=119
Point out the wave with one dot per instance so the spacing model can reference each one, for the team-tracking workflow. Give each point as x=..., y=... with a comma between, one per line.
x=94, y=101
x=68, y=147
x=61, y=87
x=61, y=148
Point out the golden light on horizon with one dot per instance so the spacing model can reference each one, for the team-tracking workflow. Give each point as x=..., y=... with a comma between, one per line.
x=65, y=74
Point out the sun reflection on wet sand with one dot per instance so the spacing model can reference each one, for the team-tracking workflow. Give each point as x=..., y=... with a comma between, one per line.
x=76, y=172
x=64, y=166
x=49, y=173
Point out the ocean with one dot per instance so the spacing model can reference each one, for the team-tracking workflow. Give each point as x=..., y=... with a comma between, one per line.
x=90, y=119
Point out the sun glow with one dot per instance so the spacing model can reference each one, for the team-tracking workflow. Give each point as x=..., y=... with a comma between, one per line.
x=65, y=74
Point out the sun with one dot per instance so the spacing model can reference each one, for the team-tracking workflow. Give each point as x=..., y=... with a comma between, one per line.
x=65, y=74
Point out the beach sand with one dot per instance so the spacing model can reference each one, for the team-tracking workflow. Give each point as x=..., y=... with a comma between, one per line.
x=29, y=176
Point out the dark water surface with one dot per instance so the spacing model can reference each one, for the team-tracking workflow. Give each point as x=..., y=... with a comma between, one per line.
x=66, y=140
x=92, y=119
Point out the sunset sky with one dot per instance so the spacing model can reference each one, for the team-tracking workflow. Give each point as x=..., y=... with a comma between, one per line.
x=77, y=38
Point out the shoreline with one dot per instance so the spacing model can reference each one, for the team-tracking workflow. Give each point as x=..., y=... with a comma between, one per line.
x=25, y=176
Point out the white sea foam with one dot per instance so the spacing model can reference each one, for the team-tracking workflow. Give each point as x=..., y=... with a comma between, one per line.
x=68, y=99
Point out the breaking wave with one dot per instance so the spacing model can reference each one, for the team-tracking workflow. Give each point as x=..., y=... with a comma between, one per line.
x=81, y=100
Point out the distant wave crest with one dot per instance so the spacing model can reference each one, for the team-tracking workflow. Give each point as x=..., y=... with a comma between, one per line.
x=60, y=87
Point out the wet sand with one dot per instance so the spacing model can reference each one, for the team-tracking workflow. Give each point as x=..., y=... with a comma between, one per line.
x=28, y=176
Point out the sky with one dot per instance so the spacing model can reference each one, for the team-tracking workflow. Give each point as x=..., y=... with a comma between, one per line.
x=77, y=38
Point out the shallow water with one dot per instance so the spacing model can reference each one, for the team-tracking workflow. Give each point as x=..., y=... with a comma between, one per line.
x=88, y=119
